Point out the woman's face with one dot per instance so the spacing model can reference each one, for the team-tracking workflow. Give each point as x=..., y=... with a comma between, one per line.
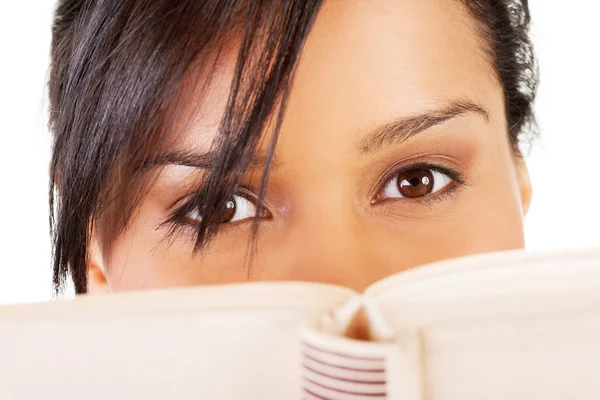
x=393, y=153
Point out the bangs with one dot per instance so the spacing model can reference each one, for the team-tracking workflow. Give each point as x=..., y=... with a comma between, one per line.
x=121, y=74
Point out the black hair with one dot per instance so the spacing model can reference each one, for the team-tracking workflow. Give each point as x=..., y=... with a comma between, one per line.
x=119, y=73
x=505, y=25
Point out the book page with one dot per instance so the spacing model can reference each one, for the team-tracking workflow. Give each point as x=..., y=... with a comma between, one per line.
x=201, y=343
x=511, y=325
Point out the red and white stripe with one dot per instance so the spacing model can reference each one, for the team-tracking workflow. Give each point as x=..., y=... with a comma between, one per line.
x=330, y=375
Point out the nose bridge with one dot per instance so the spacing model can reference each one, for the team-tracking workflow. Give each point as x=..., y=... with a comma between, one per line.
x=328, y=241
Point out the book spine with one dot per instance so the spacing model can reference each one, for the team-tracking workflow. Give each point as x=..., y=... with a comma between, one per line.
x=341, y=370
x=339, y=365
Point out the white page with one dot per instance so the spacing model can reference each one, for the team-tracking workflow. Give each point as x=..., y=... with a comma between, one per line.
x=500, y=326
x=230, y=342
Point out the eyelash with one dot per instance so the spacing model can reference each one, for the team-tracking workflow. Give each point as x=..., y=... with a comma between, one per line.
x=446, y=193
x=178, y=223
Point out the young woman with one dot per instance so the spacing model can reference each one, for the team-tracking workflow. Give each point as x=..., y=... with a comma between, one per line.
x=338, y=141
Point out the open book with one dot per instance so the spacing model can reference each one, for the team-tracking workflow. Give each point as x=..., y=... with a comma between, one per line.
x=499, y=326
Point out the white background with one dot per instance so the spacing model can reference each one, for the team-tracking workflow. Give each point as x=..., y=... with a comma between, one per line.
x=564, y=164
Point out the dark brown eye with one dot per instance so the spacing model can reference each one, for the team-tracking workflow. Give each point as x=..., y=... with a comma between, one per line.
x=418, y=182
x=236, y=209
x=415, y=183
x=230, y=209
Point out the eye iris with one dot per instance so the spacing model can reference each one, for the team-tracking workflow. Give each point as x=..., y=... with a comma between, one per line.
x=230, y=209
x=415, y=183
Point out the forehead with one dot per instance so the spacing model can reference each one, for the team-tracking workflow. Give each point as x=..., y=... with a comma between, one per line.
x=366, y=62
x=412, y=53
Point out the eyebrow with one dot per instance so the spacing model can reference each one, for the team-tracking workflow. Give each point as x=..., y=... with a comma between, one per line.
x=406, y=127
x=387, y=134
x=196, y=159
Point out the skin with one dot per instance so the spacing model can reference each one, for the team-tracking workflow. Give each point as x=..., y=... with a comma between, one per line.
x=366, y=67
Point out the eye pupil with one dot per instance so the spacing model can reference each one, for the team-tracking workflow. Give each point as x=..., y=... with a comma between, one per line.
x=230, y=208
x=415, y=183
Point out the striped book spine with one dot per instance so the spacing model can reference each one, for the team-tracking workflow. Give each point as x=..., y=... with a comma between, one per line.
x=336, y=375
